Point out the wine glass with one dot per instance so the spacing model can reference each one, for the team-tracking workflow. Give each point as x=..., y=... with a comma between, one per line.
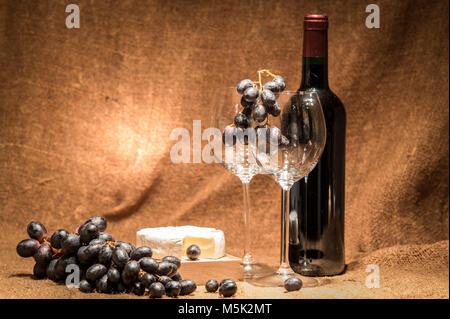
x=235, y=156
x=288, y=148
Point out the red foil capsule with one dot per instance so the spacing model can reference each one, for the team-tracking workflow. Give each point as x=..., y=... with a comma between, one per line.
x=316, y=39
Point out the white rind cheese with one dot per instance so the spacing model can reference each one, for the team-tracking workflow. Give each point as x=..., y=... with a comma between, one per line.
x=173, y=241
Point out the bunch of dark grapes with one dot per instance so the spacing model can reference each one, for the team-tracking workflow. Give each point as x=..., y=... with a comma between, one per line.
x=106, y=265
x=257, y=104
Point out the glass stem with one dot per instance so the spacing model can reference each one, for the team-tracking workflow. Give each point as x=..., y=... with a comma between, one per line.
x=248, y=258
x=305, y=212
x=285, y=269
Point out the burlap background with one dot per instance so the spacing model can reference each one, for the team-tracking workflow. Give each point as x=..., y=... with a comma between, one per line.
x=85, y=118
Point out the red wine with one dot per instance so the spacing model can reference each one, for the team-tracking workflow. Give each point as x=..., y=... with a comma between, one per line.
x=317, y=204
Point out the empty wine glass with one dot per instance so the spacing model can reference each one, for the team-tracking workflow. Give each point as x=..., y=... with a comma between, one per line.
x=288, y=148
x=235, y=156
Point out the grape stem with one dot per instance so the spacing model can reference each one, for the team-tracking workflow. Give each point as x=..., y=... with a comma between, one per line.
x=259, y=82
x=110, y=244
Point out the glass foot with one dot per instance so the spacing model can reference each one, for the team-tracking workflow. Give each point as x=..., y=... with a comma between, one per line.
x=277, y=279
x=307, y=269
x=256, y=270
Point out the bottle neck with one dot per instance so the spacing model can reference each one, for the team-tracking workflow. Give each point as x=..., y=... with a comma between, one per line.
x=315, y=60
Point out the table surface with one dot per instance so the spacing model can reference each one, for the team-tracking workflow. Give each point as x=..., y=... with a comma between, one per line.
x=397, y=280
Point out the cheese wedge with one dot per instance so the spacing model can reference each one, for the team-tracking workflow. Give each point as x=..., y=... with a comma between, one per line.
x=173, y=241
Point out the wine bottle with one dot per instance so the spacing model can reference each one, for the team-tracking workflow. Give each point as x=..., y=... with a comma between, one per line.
x=318, y=201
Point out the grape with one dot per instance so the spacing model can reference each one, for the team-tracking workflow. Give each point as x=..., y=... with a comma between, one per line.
x=113, y=275
x=59, y=272
x=247, y=104
x=44, y=254
x=138, y=288
x=148, y=264
x=173, y=270
x=173, y=288
x=105, y=237
x=61, y=265
x=247, y=111
x=27, y=247
x=268, y=98
x=292, y=284
x=103, y=285
x=225, y=281
x=40, y=270
x=229, y=135
x=156, y=290
x=98, y=221
x=82, y=256
x=36, y=231
x=82, y=271
x=241, y=121
x=176, y=277
x=70, y=244
x=93, y=251
x=187, y=287
x=88, y=232
x=251, y=94
x=141, y=252
x=280, y=82
x=243, y=85
x=51, y=269
x=173, y=260
x=131, y=269
x=105, y=255
x=228, y=289
x=164, y=280
x=193, y=252
x=212, y=285
x=147, y=279
x=164, y=268
x=120, y=257
x=260, y=113
x=57, y=237
x=99, y=241
x=272, y=86
x=85, y=286
x=125, y=246
x=88, y=254
x=127, y=280
x=95, y=272
x=121, y=288
x=275, y=109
